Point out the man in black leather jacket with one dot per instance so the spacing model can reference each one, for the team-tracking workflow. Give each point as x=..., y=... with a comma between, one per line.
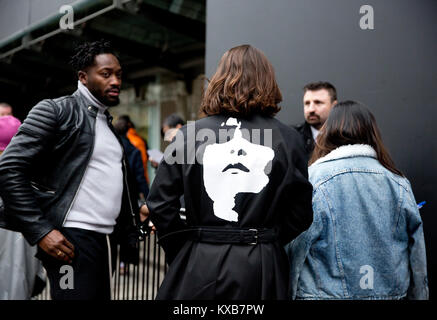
x=65, y=183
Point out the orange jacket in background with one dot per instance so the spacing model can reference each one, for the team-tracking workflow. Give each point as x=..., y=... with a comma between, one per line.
x=139, y=143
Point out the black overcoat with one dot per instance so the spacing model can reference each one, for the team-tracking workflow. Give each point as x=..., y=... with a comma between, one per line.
x=233, y=173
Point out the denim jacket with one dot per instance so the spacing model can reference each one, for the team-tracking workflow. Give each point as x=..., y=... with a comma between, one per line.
x=366, y=240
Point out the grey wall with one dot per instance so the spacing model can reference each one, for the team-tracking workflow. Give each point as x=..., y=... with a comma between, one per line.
x=392, y=69
x=18, y=14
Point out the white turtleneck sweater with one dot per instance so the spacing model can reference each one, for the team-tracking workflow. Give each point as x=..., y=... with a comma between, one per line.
x=98, y=200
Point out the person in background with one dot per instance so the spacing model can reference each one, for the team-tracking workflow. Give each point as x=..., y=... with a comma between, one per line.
x=8, y=128
x=5, y=109
x=169, y=128
x=318, y=100
x=366, y=241
x=21, y=274
x=133, y=155
x=138, y=142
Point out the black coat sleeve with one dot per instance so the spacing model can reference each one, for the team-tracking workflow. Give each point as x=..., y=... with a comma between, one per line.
x=164, y=206
x=33, y=139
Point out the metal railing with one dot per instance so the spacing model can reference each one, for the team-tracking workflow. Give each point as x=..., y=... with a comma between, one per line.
x=135, y=282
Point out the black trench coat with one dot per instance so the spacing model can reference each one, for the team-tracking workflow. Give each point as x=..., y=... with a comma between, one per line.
x=233, y=183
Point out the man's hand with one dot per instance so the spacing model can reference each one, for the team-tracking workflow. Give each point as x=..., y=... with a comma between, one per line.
x=56, y=245
x=144, y=214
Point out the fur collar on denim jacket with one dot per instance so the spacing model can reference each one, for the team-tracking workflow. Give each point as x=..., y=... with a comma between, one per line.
x=348, y=151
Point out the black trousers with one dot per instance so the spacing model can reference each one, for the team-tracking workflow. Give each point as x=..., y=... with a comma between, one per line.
x=87, y=277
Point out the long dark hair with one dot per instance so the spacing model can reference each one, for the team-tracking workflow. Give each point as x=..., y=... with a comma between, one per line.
x=351, y=122
x=244, y=84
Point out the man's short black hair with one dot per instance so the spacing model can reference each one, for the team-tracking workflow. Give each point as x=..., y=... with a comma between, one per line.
x=172, y=121
x=126, y=118
x=121, y=126
x=85, y=53
x=314, y=86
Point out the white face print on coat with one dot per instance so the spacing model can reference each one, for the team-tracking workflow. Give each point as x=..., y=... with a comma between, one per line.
x=234, y=167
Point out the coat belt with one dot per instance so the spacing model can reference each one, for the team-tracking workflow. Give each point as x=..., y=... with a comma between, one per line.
x=224, y=235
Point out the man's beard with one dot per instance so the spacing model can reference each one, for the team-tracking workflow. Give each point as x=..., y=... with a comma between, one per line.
x=108, y=102
x=314, y=122
x=111, y=103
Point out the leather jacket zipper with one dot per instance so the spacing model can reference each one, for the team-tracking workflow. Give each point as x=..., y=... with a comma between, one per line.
x=128, y=192
x=41, y=188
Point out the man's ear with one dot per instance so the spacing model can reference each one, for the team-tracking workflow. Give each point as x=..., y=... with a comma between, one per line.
x=178, y=126
x=83, y=77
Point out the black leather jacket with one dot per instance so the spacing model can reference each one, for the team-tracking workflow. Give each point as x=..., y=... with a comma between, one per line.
x=43, y=166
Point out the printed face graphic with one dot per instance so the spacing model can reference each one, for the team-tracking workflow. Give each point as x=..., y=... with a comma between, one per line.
x=234, y=167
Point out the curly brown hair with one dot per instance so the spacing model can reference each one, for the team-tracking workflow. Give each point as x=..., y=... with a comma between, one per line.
x=244, y=84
